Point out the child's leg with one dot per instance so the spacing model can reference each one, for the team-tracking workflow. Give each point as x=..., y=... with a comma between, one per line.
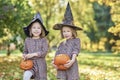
x=27, y=75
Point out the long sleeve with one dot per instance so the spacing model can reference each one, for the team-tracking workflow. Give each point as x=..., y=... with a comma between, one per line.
x=58, y=49
x=76, y=47
x=44, y=49
x=25, y=51
x=57, y=52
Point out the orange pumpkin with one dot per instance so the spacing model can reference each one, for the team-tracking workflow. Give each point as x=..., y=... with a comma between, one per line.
x=60, y=60
x=26, y=64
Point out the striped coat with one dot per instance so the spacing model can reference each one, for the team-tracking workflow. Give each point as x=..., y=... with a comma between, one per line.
x=70, y=47
x=39, y=46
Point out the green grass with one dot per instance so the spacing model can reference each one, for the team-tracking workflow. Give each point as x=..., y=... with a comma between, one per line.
x=92, y=66
x=99, y=66
x=14, y=52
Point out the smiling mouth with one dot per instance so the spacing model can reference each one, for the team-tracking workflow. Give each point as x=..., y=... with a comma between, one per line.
x=36, y=32
x=66, y=36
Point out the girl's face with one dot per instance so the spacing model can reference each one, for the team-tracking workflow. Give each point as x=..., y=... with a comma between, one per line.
x=36, y=29
x=67, y=32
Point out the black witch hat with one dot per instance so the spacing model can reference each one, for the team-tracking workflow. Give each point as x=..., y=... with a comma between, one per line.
x=67, y=21
x=37, y=18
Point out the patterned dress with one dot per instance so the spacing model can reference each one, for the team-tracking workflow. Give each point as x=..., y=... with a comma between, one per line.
x=39, y=46
x=70, y=47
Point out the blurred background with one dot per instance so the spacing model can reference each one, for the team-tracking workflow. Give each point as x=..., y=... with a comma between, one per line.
x=100, y=38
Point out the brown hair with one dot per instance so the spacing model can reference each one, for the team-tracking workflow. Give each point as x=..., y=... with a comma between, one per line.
x=42, y=31
x=74, y=33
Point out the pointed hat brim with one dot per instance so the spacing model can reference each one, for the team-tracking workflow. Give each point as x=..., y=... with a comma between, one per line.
x=59, y=26
x=26, y=29
x=38, y=19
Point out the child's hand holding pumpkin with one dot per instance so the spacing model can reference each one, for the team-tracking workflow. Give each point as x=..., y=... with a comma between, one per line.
x=27, y=56
x=54, y=64
x=23, y=56
x=69, y=63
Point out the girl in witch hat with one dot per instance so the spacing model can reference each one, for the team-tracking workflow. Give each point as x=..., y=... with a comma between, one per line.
x=35, y=49
x=71, y=47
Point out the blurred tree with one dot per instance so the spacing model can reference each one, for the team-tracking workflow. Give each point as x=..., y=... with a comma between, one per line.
x=115, y=29
x=14, y=15
x=110, y=8
x=12, y=20
x=103, y=20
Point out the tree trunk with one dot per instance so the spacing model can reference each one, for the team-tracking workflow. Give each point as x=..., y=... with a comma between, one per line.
x=8, y=50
